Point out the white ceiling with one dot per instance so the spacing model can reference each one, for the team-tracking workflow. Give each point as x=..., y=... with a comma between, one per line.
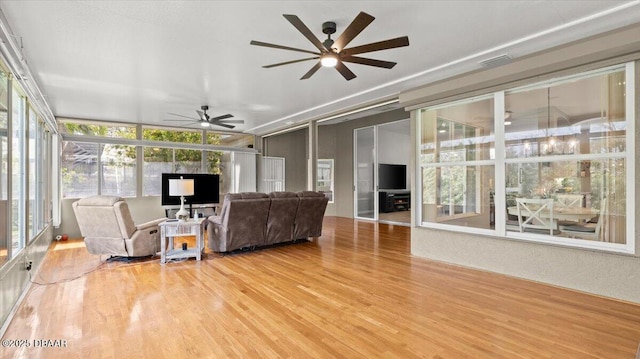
x=136, y=61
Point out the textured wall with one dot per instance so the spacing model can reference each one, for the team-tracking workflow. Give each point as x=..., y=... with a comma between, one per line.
x=293, y=146
x=327, y=149
x=611, y=275
x=14, y=279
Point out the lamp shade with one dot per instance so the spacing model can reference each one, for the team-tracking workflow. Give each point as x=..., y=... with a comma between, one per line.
x=181, y=187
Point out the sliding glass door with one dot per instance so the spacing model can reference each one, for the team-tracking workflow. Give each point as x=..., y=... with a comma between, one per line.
x=365, y=175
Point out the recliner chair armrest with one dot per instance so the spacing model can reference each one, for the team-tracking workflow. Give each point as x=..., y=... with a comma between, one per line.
x=215, y=219
x=150, y=224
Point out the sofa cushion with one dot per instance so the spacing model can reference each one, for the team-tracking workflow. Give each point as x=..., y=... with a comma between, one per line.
x=282, y=194
x=309, y=194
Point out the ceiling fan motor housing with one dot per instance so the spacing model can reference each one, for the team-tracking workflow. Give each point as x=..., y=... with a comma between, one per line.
x=329, y=27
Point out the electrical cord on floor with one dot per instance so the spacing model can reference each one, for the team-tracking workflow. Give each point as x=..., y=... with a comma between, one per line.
x=106, y=264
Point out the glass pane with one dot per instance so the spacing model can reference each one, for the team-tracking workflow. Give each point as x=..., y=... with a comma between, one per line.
x=32, y=211
x=579, y=190
x=462, y=132
x=42, y=176
x=184, y=136
x=79, y=169
x=214, y=159
x=459, y=195
x=4, y=205
x=365, y=190
x=4, y=163
x=118, y=170
x=18, y=172
x=188, y=161
x=156, y=162
x=90, y=128
x=581, y=116
x=325, y=178
x=230, y=139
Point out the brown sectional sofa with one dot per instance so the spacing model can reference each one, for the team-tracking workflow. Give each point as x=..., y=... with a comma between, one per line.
x=252, y=219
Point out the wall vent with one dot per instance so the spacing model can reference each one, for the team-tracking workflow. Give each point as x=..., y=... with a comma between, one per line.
x=496, y=61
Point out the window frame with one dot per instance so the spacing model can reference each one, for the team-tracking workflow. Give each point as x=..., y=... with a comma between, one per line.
x=500, y=161
x=141, y=144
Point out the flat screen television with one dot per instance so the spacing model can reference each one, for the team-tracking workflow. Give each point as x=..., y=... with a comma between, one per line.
x=206, y=188
x=392, y=176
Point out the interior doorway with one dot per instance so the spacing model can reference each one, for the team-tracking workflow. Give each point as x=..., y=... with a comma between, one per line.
x=381, y=172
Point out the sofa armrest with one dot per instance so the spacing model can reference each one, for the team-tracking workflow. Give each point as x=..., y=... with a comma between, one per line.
x=150, y=224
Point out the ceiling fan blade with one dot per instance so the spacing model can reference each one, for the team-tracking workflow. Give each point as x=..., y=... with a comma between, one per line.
x=265, y=44
x=370, y=62
x=223, y=125
x=298, y=24
x=220, y=117
x=176, y=120
x=202, y=115
x=290, y=62
x=230, y=121
x=175, y=114
x=344, y=71
x=313, y=70
x=357, y=25
x=377, y=46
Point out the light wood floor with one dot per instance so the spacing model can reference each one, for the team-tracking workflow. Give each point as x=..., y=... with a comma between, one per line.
x=356, y=292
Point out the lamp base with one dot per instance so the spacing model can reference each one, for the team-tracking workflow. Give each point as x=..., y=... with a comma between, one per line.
x=182, y=215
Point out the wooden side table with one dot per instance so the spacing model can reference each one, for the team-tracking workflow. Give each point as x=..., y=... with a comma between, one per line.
x=172, y=229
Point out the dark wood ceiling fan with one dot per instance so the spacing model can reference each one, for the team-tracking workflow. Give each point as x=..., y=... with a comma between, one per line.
x=334, y=53
x=205, y=121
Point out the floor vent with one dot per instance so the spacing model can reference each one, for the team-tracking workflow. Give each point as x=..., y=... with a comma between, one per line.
x=496, y=61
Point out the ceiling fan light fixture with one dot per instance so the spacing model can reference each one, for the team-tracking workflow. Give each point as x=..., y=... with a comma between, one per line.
x=329, y=60
x=204, y=124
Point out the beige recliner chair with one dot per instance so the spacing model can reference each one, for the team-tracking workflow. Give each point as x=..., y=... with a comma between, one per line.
x=107, y=227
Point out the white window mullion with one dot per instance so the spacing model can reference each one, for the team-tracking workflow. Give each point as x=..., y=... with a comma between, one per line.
x=499, y=197
x=631, y=152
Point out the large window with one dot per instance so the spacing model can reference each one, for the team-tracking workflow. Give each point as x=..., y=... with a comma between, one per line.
x=457, y=164
x=569, y=138
x=158, y=160
x=25, y=156
x=557, y=170
x=104, y=158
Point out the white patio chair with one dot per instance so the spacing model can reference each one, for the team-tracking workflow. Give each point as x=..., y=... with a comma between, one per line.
x=591, y=231
x=536, y=215
x=564, y=201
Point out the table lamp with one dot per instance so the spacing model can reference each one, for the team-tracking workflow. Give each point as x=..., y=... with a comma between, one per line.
x=181, y=187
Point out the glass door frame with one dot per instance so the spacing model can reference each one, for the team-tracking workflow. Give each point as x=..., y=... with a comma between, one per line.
x=356, y=186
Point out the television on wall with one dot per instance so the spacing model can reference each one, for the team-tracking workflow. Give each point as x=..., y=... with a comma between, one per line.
x=392, y=176
x=206, y=188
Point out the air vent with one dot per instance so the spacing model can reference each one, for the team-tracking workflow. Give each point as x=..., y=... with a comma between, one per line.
x=496, y=61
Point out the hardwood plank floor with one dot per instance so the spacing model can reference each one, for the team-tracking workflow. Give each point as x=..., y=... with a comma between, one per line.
x=355, y=292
